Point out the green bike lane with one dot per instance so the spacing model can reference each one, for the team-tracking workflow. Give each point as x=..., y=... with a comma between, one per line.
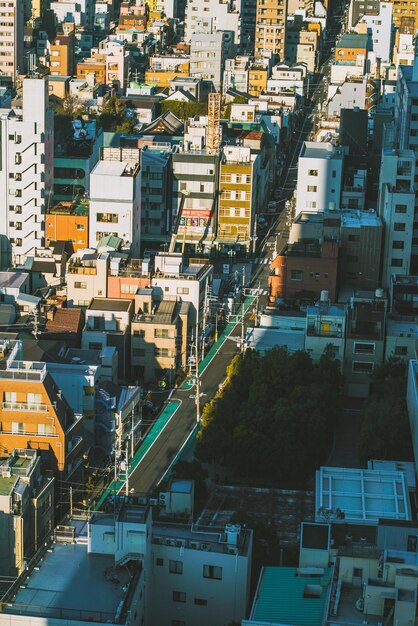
x=169, y=412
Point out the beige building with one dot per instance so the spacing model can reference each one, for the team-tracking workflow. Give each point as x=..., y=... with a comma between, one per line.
x=26, y=509
x=86, y=277
x=270, y=28
x=302, y=47
x=11, y=38
x=159, y=337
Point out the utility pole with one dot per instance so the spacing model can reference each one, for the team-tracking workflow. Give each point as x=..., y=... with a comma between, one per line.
x=205, y=304
x=127, y=470
x=71, y=501
x=197, y=374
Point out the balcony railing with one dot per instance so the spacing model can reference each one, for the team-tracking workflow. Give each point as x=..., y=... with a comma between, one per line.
x=24, y=406
x=24, y=370
x=26, y=433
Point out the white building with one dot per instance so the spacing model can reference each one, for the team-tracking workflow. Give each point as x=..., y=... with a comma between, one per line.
x=26, y=169
x=325, y=326
x=80, y=12
x=86, y=277
x=376, y=21
x=403, y=51
x=236, y=74
x=212, y=16
x=285, y=77
x=188, y=283
x=120, y=568
x=320, y=168
x=341, y=70
x=11, y=39
x=396, y=208
x=12, y=285
x=207, y=56
x=115, y=198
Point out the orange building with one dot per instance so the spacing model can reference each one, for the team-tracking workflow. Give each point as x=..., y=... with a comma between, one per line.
x=62, y=55
x=128, y=280
x=33, y=413
x=95, y=65
x=351, y=46
x=68, y=221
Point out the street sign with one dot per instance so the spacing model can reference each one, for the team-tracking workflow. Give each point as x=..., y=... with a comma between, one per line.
x=225, y=268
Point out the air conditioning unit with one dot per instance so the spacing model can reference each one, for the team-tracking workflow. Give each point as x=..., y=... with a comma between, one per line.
x=205, y=546
x=153, y=501
x=194, y=545
x=163, y=498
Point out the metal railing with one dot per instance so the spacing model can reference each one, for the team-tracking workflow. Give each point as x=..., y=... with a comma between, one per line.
x=24, y=406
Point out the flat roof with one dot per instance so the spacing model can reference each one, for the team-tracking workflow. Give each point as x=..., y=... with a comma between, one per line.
x=352, y=40
x=110, y=168
x=320, y=150
x=110, y=304
x=12, y=280
x=6, y=484
x=397, y=328
x=286, y=596
x=357, y=219
x=72, y=584
x=361, y=495
x=263, y=339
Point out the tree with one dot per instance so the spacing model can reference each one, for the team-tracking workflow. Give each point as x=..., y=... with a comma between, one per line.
x=385, y=432
x=273, y=420
x=70, y=107
x=184, y=110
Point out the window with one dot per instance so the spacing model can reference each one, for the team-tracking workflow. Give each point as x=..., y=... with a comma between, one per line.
x=399, y=226
x=179, y=596
x=176, y=567
x=334, y=174
x=18, y=427
x=362, y=367
x=312, y=188
x=80, y=226
x=161, y=333
x=401, y=350
x=95, y=346
x=364, y=348
x=78, y=285
x=34, y=398
x=396, y=262
x=159, y=562
x=310, y=204
x=412, y=543
x=200, y=602
x=183, y=291
x=400, y=208
x=44, y=429
x=212, y=571
x=312, y=172
x=296, y=275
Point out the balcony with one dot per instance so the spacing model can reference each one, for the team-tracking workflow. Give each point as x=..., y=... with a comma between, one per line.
x=74, y=444
x=24, y=370
x=25, y=406
x=29, y=434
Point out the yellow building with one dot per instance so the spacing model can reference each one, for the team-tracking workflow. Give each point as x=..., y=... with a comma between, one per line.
x=237, y=198
x=257, y=80
x=164, y=69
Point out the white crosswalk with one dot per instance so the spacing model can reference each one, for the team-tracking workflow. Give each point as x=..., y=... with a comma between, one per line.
x=260, y=261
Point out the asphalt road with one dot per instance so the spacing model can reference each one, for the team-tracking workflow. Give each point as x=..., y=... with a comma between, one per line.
x=151, y=469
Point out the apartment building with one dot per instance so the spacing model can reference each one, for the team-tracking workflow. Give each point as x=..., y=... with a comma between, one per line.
x=81, y=12
x=62, y=52
x=35, y=415
x=188, y=282
x=86, y=277
x=207, y=57
x=271, y=17
x=236, y=74
x=11, y=40
x=397, y=209
x=155, y=192
x=160, y=336
x=26, y=169
x=361, y=244
x=27, y=509
x=406, y=123
x=302, y=46
x=304, y=270
x=213, y=16
x=405, y=17
x=195, y=175
x=352, y=47
x=68, y=221
x=375, y=19
x=164, y=68
x=108, y=324
x=258, y=74
x=238, y=197
x=325, y=327
x=115, y=197
x=364, y=348
x=319, y=183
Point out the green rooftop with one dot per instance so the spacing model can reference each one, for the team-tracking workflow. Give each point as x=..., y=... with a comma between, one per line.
x=80, y=206
x=284, y=597
x=21, y=461
x=7, y=484
x=352, y=40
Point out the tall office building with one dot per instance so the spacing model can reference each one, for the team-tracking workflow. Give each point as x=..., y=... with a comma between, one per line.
x=270, y=27
x=26, y=171
x=11, y=39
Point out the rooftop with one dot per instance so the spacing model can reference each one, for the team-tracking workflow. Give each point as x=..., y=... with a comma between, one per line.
x=6, y=484
x=71, y=584
x=359, y=219
x=77, y=207
x=210, y=539
x=320, y=150
x=109, y=304
x=352, y=40
x=401, y=329
x=12, y=280
x=360, y=495
x=115, y=168
x=295, y=597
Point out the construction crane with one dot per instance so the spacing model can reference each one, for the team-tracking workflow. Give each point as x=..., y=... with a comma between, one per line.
x=176, y=227
x=213, y=139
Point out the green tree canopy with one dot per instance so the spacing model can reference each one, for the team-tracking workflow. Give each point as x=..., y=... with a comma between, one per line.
x=274, y=418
